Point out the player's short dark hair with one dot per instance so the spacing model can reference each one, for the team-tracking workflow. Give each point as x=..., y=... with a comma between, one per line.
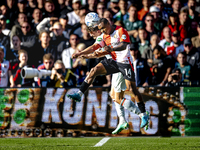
x=104, y=20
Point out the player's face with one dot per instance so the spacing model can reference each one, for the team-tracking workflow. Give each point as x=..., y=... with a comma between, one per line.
x=105, y=28
x=95, y=33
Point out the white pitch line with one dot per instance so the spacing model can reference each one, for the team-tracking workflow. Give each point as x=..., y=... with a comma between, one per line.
x=103, y=141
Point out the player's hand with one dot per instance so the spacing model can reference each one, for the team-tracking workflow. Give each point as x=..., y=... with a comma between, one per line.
x=108, y=49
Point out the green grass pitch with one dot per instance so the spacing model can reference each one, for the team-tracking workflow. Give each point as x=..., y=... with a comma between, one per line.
x=114, y=143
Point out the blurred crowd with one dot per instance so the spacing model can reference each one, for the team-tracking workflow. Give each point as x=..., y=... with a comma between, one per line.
x=44, y=34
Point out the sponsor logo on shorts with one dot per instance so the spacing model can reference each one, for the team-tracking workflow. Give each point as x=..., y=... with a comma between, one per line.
x=123, y=36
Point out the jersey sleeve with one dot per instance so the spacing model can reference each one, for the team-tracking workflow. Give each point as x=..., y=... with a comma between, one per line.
x=124, y=37
x=100, y=41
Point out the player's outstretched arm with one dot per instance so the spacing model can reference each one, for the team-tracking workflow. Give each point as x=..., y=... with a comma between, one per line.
x=96, y=54
x=120, y=47
x=88, y=50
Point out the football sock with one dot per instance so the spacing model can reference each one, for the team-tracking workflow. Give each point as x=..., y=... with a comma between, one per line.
x=141, y=107
x=84, y=87
x=129, y=105
x=80, y=93
x=120, y=113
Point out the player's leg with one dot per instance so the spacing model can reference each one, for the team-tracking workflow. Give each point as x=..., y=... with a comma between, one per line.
x=138, y=97
x=119, y=85
x=99, y=69
x=129, y=76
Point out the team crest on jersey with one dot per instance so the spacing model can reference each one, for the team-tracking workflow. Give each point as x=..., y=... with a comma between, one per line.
x=123, y=36
x=99, y=39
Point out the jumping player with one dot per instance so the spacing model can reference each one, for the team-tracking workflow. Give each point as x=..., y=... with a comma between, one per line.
x=118, y=40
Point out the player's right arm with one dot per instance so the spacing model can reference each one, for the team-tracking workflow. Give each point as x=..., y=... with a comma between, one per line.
x=88, y=50
x=96, y=54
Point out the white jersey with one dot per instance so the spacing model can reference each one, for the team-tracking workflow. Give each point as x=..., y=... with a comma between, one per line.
x=4, y=68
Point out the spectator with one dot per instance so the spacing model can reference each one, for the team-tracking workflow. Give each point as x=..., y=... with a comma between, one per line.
x=183, y=65
x=22, y=8
x=162, y=66
x=149, y=22
x=61, y=77
x=50, y=11
x=141, y=13
x=92, y=5
x=86, y=38
x=108, y=15
x=66, y=27
x=48, y=62
x=16, y=29
x=122, y=14
x=132, y=24
x=43, y=47
x=196, y=39
x=164, y=43
x=59, y=39
x=175, y=78
x=12, y=11
x=100, y=9
x=46, y=24
x=28, y=37
x=114, y=7
x=144, y=43
x=5, y=30
x=175, y=47
x=159, y=4
x=173, y=22
x=184, y=24
x=67, y=53
x=64, y=9
x=77, y=27
x=5, y=71
x=141, y=69
x=192, y=58
x=148, y=53
x=159, y=23
x=80, y=65
x=193, y=14
x=40, y=5
x=12, y=54
x=74, y=16
x=176, y=6
x=37, y=18
x=19, y=81
x=168, y=6
x=4, y=41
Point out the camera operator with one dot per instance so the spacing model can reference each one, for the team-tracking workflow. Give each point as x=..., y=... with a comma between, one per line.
x=48, y=62
x=61, y=77
x=175, y=78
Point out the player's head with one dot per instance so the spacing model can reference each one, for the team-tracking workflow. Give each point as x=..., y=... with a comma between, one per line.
x=91, y=20
x=104, y=26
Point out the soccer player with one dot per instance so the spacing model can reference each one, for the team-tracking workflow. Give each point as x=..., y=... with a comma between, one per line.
x=120, y=62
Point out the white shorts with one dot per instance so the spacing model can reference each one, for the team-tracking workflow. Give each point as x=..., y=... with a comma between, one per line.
x=118, y=82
